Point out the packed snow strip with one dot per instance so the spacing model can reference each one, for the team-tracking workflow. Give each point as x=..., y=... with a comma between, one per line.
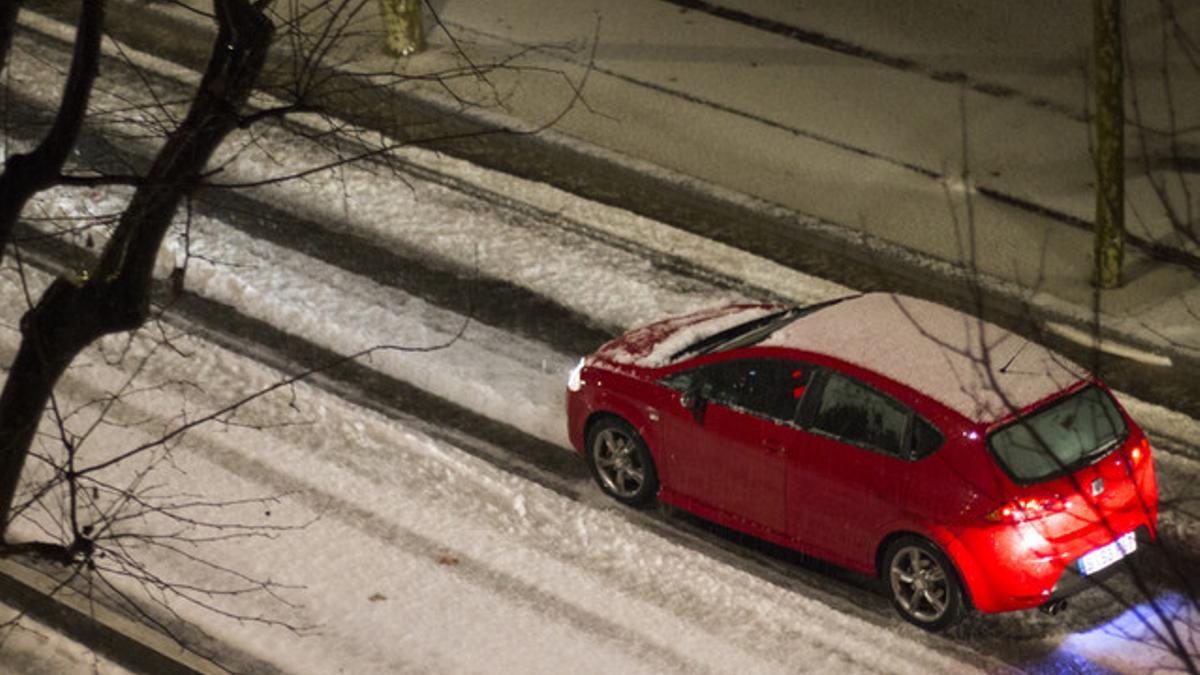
x=500, y=375
x=503, y=376
x=419, y=556
x=561, y=246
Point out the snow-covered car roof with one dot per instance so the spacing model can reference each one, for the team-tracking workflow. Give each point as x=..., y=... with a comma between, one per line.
x=977, y=368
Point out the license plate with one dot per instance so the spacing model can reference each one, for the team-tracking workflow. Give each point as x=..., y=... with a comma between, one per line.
x=1104, y=556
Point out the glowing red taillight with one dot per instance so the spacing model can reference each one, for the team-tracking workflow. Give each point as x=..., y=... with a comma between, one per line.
x=1024, y=509
x=1139, y=452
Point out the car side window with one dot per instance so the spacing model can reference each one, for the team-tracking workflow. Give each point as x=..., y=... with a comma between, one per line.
x=858, y=414
x=925, y=438
x=771, y=388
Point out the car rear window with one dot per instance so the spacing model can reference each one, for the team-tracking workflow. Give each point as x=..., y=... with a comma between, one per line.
x=1059, y=437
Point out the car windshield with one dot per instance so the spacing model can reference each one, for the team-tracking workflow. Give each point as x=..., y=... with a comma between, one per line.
x=1059, y=437
x=749, y=333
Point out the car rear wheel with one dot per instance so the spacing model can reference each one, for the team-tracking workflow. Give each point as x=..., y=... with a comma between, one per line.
x=621, y=463
x=924, y=585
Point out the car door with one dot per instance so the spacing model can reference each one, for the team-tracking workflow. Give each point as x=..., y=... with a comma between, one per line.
x=728, y=444
x=847, y=477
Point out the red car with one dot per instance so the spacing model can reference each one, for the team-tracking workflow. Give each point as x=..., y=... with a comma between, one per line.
x=964, y=465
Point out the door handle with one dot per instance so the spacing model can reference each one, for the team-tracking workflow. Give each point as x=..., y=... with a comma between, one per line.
x=773, y=445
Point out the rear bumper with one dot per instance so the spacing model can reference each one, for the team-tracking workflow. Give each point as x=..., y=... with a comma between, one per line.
x=1073, y=581
x=1012, y=568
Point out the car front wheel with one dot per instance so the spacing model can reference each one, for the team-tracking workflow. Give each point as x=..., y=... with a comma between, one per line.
x=621, y=463
x=924, y=585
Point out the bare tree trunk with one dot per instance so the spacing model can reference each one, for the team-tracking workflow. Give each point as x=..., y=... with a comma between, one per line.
x=8, y=22
x=29, y=173
x=1110, y=144
x=402, y=20
x=71, y=315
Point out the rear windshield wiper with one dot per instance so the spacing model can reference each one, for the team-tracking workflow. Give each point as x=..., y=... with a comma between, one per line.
x=1103, y=449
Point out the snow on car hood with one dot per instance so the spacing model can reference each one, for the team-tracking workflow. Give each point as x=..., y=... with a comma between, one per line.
x=652, y=346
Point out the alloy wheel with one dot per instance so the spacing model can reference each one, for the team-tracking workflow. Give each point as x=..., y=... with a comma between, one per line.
x=618, y=464
x=920, y=585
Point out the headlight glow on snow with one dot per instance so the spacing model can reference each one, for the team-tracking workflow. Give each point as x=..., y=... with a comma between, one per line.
x=575, y=379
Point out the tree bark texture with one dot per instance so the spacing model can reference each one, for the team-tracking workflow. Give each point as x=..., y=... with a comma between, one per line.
x=8, y=23
x=1110, y=144
x=116, y=297
x=26, y=174
x=402, y=21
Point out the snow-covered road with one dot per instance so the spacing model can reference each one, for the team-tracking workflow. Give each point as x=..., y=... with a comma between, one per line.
x=418, y=556
x=415, y=555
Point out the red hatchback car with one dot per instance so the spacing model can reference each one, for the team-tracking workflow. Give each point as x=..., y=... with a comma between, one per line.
x=964, y=465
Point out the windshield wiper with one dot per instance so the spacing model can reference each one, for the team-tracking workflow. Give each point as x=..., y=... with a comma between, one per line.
x=718, y=340
x=1103, y=449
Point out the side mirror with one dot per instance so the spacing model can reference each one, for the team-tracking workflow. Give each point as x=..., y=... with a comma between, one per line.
x=694, y=399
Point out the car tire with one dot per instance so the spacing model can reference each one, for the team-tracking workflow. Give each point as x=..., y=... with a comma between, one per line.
x=621, y=462
x=923, y=584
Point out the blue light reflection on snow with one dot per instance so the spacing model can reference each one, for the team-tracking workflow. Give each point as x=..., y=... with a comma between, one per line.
x=1063, y=662
x=1129, y=642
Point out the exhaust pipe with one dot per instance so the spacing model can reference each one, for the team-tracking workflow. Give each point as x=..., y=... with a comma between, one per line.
x=1053, y=607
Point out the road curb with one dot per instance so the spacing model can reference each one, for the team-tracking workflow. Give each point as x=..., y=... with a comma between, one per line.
x=127, y=642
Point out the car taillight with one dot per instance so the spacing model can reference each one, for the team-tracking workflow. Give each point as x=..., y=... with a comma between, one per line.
x=1139, y=452
x=1025, y=509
